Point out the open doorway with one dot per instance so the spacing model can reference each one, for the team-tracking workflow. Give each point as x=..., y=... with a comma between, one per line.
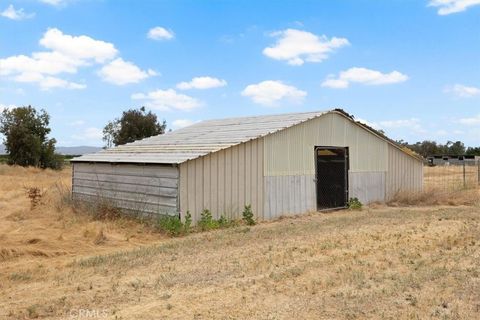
x=331, y=177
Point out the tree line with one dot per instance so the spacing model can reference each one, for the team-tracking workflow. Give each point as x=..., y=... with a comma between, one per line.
x=430, y=148
x=25, y=131
x=27, y=143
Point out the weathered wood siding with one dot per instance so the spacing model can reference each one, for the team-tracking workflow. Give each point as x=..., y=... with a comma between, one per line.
x=150, y=189
x=224, y=182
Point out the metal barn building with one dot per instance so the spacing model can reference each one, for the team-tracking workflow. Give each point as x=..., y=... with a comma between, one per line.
x=279, y=164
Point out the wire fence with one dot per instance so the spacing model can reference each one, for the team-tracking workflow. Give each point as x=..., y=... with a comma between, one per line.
x=452, y=177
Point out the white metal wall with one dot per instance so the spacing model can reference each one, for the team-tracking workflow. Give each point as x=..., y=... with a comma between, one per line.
x=376, y=167
x=224, y=182
x=404, y=173
x=291, y=151
x=146, y=188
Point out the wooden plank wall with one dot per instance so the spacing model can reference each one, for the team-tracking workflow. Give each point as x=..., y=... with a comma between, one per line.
x=150, y=189
x=224, y=182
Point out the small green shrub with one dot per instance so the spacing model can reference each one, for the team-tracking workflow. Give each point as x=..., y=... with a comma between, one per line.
x=354, y=204
x=171, y=224
x=206, y=221
x=188, y=222
x=248, y=216
x=223, y=221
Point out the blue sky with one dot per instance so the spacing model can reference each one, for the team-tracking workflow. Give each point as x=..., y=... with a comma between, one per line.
x=411, y=68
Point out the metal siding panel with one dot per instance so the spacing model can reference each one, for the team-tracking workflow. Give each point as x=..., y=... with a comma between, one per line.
x=228, y=183
x=260, y=179
x=129, y=179
x=206, y=182
x=367, y=186
x=248, y=173
x=148, y=189
x=241, y=177
x=214, y=182
x=232, y=174
x=291, y=151
x=221, y=185
x=253, y=177
x=191, y=188
x=284, y=195
x=199, y=180
x=235, y=181
x=404, y=173
x=183, y=186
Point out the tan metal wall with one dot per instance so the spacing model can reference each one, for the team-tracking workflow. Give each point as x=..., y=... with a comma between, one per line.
x=403, y=173
x=224, y=182
x=146, y=188
x=376, y=167
x=289, y=195
x=291, y=151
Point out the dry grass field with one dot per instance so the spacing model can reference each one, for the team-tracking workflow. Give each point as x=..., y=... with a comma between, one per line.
x=383, y=262
x=451, y=177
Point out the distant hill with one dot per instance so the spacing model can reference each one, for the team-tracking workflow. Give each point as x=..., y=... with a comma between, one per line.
x=67, y=150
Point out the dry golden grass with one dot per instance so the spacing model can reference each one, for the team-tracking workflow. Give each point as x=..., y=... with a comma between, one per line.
x=437, y=196
x=451, y=177
x=383, y=263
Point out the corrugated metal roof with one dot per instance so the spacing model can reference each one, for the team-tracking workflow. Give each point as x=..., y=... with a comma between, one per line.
x=198, y=140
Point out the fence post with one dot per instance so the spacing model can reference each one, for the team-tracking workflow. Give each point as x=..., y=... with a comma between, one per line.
x=464, y=178
x=479, y=172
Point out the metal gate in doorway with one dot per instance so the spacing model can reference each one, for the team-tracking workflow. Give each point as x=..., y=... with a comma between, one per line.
x=331, y=177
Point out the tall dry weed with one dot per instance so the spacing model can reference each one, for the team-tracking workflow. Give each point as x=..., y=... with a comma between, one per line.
x=433, y=196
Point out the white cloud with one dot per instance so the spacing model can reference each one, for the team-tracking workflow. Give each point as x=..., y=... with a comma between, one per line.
x=47, y=82
x=91, y=133
x=77, y=123
x=54, y=2
x=160, y=33
x=364, y=76
x=472, y=121
x=298, y=47
x=11, y=13
x=403, y=123
x=78, y=47
x=202, y=83
x=51, y=82
x=167, y=99
x=270, y=92
x=413, y=123
x=463, y=91
x=446, y=7
x=182, y=123
x=67, y=54
x=122, y=72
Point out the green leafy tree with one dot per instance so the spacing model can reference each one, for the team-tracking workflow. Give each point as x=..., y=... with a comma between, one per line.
x=455, y=147
x=473, y=151
x=26, y=139
x=135, y=124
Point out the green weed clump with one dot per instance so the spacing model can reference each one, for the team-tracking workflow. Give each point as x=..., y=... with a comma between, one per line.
x=248, y=216
x=354, y=204
x=171, y=225
x=207, y=222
